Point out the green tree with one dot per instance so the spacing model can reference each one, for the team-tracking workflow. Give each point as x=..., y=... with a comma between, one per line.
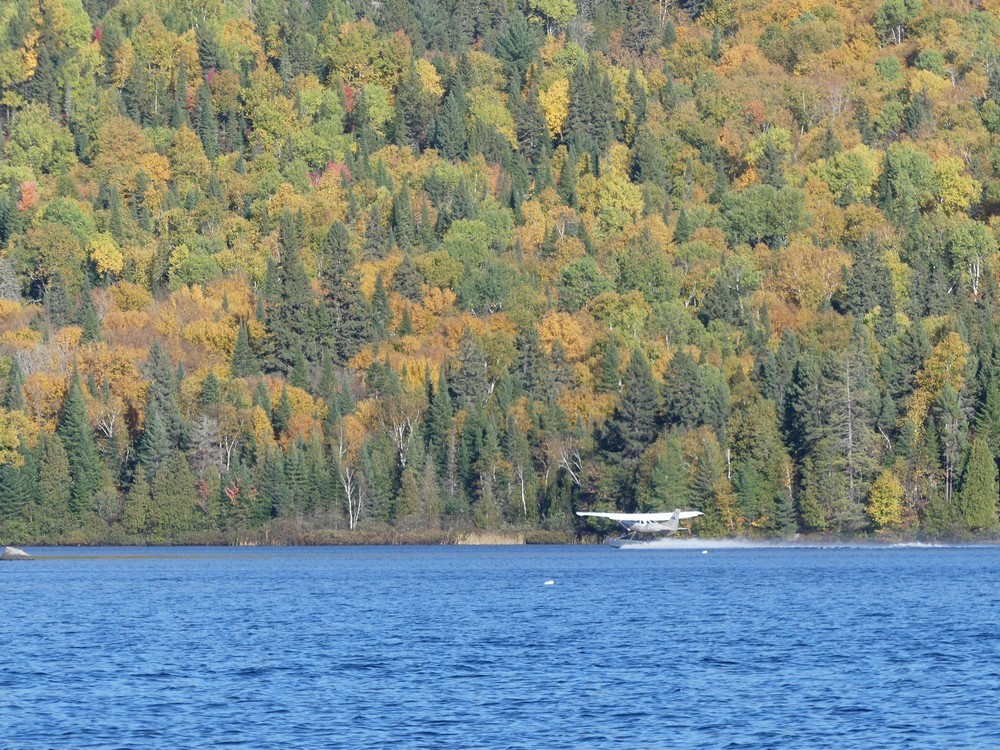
x=138, y=505
x=173, y=499
x=346, y=307
x=632, y=424
x=81, y=451
x=54, y=487
x=979, y=495
x=244, y=362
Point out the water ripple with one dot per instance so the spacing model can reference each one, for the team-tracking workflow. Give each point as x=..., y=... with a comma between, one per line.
x=458, y=648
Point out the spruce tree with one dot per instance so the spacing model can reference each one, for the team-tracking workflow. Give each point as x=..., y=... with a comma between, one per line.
x=85, y=316
x=208, y=126
x=403, y=223
x=381, y=311
x=450, y=135
x=173, y=493
x=244, y=361
x=78, y=441
x=161, y=393
x=54, y=487
x=13, y=392
x=632, y=425
x=211, y=391
x=978, y=498
x=138, y=504
x=282, y=414
x=684, y=393
x=611, y=367
x=291, y=318
x=346, y=307
x=684, y=228
x=155, y=444
x=407, y=280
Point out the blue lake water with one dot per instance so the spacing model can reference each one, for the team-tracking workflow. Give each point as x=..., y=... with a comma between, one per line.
x=461, y=647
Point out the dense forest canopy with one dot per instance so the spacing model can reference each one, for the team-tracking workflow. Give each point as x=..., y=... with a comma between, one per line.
x=274, y=267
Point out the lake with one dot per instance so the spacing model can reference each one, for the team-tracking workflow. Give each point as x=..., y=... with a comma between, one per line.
x=467, y=647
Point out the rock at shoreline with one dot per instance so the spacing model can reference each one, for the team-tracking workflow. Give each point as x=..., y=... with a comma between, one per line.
x=13, y=553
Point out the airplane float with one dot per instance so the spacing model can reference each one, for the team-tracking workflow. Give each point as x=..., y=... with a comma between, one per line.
x=635, y=524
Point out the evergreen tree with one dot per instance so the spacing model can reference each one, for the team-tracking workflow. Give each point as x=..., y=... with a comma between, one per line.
x=407, y=280
x=53, y=515
x=611, y=378
x=161, y=394
x=529, y=119
x=978, y=498
x=567, y=181
x=173, y=493
x=684, y=396
x=244, y=361
x=530, y=369
x=403, y=223
x=211, y=391
x=85, y=316
x=632, y=424
x=138, y=505
x=684, y=228
x=13, y=393
x=381, y=312
x=290, y=315
x=78, y=441
x=450, y=135
x=346, y=307
x=516, y=47
x=155, y=445
x=282, y=414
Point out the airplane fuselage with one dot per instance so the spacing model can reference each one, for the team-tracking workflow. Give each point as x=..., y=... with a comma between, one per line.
x=651, y=527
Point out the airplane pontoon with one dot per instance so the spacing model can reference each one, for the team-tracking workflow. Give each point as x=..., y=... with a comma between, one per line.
x=636, y=524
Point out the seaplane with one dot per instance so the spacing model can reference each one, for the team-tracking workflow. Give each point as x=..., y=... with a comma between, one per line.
x=636, y=524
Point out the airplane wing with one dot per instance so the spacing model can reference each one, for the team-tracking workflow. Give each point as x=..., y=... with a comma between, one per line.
x=651, y=517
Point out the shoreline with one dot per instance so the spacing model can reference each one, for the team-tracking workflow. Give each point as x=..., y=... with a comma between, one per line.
x=465, y=538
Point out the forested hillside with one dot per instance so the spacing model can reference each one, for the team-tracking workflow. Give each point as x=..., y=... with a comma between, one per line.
x=276, y=267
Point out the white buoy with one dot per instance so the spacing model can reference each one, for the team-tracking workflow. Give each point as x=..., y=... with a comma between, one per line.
x=550, y=582
x=704, y=552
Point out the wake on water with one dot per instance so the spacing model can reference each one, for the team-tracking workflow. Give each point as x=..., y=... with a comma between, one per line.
x=721, y=544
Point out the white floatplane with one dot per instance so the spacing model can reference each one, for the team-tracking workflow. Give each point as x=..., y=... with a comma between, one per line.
x=666, y=524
